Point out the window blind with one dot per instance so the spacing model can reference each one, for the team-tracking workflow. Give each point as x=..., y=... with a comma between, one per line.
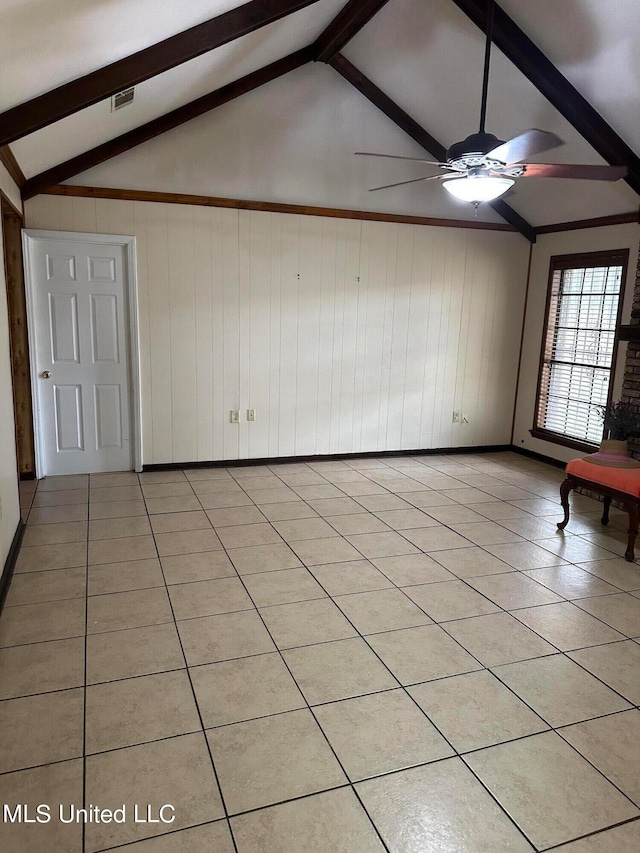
x=579, y=347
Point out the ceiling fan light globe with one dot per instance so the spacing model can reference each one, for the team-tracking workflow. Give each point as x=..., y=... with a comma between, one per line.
x=478, y=188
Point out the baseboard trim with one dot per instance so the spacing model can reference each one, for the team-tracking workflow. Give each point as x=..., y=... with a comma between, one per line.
x=10, y=562
x=328, y=457
x=539, y=457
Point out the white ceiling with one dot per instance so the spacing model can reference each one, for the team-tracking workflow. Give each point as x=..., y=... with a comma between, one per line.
x=292, y=140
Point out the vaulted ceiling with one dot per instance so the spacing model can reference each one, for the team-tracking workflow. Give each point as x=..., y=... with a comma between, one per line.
x=407, y=78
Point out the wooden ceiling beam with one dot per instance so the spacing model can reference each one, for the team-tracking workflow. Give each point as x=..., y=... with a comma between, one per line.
x=65, y=100
x=63, y=171
x=344, y=26
x=7, y=158
x=550, y=82
x=411, y=127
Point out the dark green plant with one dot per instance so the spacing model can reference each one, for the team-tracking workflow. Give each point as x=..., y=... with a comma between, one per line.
x=621, y=420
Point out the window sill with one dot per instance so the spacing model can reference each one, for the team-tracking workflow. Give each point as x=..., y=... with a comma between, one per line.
x=565, y=441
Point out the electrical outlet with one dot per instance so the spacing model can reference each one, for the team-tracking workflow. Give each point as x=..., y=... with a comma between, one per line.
x=464, y=418
x=251, y=414
x=456, y=417
x=234, y=417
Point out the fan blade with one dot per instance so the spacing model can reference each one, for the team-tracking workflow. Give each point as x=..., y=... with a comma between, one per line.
x=567, y=170
x=397, y=157
x=414, y=181
x=526, y=145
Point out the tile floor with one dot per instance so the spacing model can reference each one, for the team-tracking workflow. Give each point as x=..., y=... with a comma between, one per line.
x=398, y=654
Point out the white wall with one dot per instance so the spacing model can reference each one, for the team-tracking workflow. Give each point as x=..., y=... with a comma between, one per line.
x=243, y=310
x=564, y=243
x=8, y=463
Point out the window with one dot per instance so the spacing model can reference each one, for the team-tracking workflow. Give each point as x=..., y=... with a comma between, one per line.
x=578, y=347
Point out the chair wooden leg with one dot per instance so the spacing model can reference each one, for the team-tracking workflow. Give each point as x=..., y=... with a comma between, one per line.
x=565, y=488
x=605, y=512
x=633, y=531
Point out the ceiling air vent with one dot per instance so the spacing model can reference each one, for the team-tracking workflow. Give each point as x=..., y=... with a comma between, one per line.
x=122, y=99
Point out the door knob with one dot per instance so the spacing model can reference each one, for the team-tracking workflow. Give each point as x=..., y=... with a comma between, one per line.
x=46, y=374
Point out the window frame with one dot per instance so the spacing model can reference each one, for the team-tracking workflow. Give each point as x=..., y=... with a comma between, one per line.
x=560, y=263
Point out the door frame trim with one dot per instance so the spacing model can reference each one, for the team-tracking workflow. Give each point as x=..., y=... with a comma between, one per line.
x=30, y=235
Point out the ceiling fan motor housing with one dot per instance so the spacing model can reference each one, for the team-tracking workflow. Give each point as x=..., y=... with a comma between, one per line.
x=472, y=151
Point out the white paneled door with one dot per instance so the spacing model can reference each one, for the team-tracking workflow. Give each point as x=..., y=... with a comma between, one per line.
x=80, y=351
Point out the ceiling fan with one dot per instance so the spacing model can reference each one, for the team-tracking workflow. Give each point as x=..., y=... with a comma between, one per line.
x=483, y=167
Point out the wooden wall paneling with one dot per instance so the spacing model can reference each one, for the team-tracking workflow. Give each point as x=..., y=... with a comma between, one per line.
x=344, y=238
x=398, y=366
x=140, y=229
x=270, y=410
x=246, y=258
x=326, y=312
x=230, y=310
x=419, y=295
x=388, y=264
x=436, y=323
x=43, y=212
x=310, y=357
x=348, y=331
x=290, y=289
x=222, y=432
x=453, y=284
x=371, y=299
x=361, y=304
x=160, y=406
x=203, y=302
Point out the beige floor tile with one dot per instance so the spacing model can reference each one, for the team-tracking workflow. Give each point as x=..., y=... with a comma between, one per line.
x=317, y=493
x=121, y=550
x=617, y=664
x=217, y=487
x=139, y=710
x=571, y=582
x=61, y=497
x=197, y=474
x=119, y=478
x=380, y=503
x=534, y=527
x=471, y=562
x=209, y=838
x=283, y=587
x=621, y=611
x=426, y=500
x=620, y=573
x=50, y=785
x=361, y=522
x=40, y=558
x=116, y=493
x=225, y=637
x=440, y=807
x=612, y=744
x=176, y=771
x=412, y=569
x=134, y=609
x=287, y=511
x=465, y=496
x=117, y=528
x=420, y=654
x=612, y=542
x=567, y=626
x=117, y=509
x=208, y=565
x=498, y=510
x=55, y=534
x=498, y=638
x=41, y=667
x=187, y=542
x=176, y=522
x=61, y=483
x=297, y=530
x=355, y=576
x=335, y=549
x=620, y=839
x=235, y=515
x=237, y=690
x=436, y=539
x=559, y=690
x=177, y=489
x=525, y=555
x=272, y=759
x=186, y=503
x=34, y=587
x=450, y=600
x=306, y=478
x=475, y=710
x=381, y=610
x=485, y=532
x=208, y=598
x=389, y=544
x=539, y=506
x=380, y=733
x=331, y=671
x=228, y=498
x=281, y=494
x=332, y=821
x=263, y=558
x=339, y=506
x=133, y=652
x=43, y=729
x=407, y=519
x=58, y=514
x=247, y=535
x=551, y=793
x=306, y=622
x=574, y=548
x=455, y=514
x=513, y=590
x=37, y=623
x=121, y=577
x=265, y=481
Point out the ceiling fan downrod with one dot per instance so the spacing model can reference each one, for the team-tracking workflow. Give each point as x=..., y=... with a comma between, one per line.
x=487, y=59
